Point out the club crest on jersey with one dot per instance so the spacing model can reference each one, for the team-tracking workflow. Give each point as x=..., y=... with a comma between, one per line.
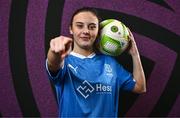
x=108, y=69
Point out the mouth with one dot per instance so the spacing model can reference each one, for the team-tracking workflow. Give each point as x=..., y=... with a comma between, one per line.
x=85, y=38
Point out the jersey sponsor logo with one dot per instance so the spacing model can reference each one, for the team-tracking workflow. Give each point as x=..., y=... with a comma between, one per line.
x=74, y=68
x=85, y=89
x=103, y=89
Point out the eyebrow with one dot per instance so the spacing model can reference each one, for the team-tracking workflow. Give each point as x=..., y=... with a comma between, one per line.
x=83, y=23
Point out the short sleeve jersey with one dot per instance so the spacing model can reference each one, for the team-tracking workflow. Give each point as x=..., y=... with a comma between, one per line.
x=89, y=86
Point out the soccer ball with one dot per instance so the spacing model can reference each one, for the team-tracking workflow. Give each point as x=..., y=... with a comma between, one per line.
x=114, y=37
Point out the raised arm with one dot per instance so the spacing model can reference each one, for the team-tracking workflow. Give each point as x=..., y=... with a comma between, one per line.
x=138, y=72
x=60, y=47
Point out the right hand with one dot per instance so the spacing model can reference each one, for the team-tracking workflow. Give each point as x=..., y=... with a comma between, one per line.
x=61, y=46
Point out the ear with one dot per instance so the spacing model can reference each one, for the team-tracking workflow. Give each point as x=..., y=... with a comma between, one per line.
x=70, y=30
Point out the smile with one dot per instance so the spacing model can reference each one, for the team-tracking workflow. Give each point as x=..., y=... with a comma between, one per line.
x=85, y=38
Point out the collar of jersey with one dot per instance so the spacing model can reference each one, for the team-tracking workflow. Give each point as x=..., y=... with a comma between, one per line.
x=82, y=56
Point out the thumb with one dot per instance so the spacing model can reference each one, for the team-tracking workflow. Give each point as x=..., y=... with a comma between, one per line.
x=63, y=55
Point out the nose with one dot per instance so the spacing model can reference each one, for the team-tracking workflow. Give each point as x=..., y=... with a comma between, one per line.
x=86, y=30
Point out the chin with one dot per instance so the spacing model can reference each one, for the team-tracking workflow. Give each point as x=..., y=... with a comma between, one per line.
x=87, y=47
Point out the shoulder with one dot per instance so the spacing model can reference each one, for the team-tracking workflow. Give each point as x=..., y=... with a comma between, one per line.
x=107, y=59
x=70, y=58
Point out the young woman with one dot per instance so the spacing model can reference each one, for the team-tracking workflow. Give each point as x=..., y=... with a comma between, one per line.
x=88, y=84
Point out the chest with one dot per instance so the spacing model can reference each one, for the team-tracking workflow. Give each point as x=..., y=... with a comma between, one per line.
x=95, y=71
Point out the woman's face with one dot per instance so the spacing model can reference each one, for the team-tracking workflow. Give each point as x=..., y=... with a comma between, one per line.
x=84, y=28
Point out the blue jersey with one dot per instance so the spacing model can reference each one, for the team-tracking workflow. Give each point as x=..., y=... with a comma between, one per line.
x=89, y=86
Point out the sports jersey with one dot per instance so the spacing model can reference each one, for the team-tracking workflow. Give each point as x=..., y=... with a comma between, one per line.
x=89, y=86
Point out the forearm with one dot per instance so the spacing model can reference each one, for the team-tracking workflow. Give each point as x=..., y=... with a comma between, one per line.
x=54, y=61
x=60, y=47
x=138, y=74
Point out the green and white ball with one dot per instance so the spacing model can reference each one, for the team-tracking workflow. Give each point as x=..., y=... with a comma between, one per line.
x=114, y=37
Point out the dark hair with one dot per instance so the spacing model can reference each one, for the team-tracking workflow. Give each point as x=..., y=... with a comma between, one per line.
x=93, y=11
x=85, y=9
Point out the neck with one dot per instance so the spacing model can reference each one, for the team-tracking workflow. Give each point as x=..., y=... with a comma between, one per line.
x=85, y=52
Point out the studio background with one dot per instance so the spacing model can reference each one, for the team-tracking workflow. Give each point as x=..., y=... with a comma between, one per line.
x=26, y=27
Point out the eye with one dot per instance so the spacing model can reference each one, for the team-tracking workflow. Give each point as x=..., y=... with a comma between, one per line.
x=114, y=28
x=92, y=27
x=79, y=25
